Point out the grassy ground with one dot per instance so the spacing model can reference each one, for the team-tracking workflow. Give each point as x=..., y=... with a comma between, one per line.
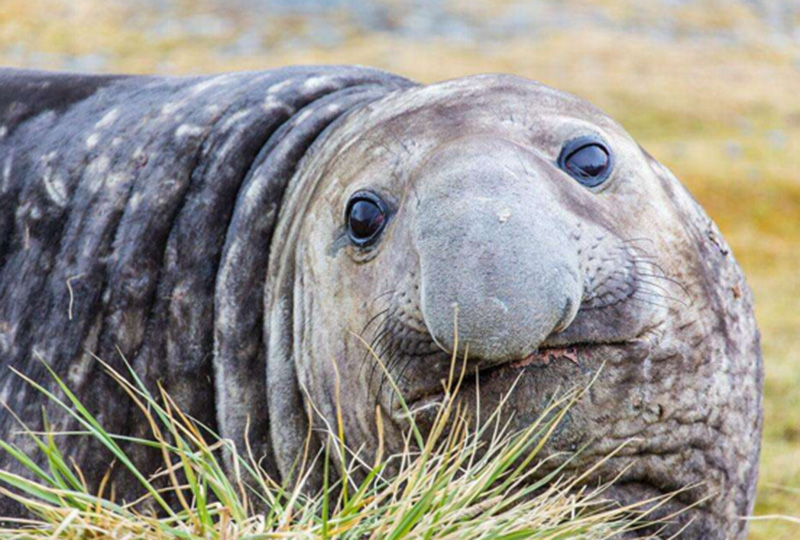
x=459, y=482
x=722, y=112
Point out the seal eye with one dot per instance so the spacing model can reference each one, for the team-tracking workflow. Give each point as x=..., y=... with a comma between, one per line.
x=366, y=218
x=587, y=160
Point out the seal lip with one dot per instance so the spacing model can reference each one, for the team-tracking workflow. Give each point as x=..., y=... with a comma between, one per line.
x=575, y=353
x=573, y=145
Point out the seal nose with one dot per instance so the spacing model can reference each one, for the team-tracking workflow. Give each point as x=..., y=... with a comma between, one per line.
x=495, y=258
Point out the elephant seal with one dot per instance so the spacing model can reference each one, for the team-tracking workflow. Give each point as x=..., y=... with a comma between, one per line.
x=239, y=237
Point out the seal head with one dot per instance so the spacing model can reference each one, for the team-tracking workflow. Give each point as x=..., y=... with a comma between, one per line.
x=524, y=228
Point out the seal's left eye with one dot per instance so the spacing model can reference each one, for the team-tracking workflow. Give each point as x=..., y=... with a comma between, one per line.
x=366, y=218
x=586, y=160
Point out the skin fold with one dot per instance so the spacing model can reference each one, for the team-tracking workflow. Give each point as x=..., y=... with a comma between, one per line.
x=227, y=271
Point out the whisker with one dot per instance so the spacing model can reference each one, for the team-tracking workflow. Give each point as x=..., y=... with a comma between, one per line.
x=640, y=254
x=389, y=365
x=373, y=319
x=656, y=295
x=652, y=264
x=673, y=281
x=384, y=313
x=402, y=372
x=389, y=353
x=633, y=298
x=372, y=348
x=382, y=295
x=401, y=375
x=652, y=284
x=380, y=346
x=383, y=344
x=385, y=374
x=639, y=239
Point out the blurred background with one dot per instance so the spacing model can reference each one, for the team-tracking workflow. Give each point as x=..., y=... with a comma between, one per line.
x=711, y=88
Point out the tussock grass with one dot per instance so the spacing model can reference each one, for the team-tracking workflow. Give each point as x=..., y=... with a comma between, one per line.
x=457, y=481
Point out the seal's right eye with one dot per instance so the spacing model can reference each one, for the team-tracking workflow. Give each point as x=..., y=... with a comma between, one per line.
x=366, y=218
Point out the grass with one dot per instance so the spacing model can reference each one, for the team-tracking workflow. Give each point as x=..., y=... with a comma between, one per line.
x=458, y=481
x=723, y=115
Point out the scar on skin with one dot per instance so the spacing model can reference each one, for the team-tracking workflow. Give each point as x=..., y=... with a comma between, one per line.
x=71, y=294
x=188, y=130
x=107, y=119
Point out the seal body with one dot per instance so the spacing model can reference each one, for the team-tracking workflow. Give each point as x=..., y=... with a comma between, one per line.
x=135, y=222
x=240, y=238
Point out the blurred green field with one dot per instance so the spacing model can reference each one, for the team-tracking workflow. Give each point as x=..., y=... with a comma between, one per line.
x=716, y=98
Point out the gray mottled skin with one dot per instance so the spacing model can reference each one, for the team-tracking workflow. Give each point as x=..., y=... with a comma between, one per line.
x=155, y=200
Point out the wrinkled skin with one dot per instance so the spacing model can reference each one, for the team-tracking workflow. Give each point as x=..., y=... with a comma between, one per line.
x=200, y=225
x=632, y=274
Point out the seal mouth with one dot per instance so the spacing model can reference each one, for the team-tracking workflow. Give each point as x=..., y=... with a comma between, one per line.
x=423, y=400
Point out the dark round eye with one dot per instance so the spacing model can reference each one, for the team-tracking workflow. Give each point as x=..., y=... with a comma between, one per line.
x=366, y=217
x=587, y=160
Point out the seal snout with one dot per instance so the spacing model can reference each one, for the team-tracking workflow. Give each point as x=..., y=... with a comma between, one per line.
x=495, y=258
